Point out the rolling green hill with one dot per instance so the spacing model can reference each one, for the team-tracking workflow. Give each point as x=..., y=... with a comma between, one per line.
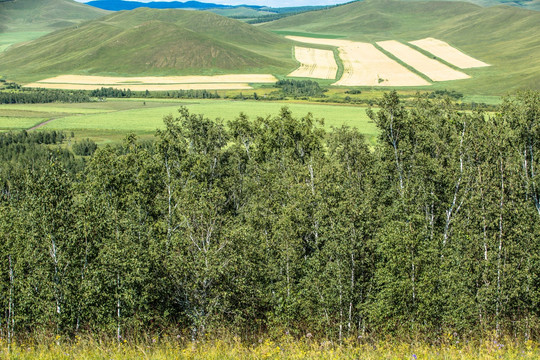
x=150, y=42
x=505, y=37
x=25, y=20
x=525, y=4
x=39, y=15
x=241, y=11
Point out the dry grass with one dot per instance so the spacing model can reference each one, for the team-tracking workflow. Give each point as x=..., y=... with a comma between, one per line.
x=432, y=68
x=315, y=63
x=176, y=347
x=448, y=53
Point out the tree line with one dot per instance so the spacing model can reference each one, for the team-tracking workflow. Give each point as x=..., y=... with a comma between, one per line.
x=275, y=225
x=43, y=96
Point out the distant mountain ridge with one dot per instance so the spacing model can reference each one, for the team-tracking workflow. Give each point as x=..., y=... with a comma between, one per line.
x=118, y=5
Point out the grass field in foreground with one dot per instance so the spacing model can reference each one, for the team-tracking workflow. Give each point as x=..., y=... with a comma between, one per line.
x=109, y=121
x=178, y=348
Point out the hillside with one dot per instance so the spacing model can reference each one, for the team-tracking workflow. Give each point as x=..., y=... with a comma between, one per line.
x=37, y=15
x=150, y=42
x=241, y=11
x=524, y=4
x=506, y=37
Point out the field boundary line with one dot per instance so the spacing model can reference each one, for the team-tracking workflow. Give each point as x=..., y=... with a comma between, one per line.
x=402, y=63
x=41, y=124
x=432, y=56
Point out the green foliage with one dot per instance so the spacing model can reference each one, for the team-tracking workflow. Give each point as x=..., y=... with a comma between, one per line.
x=276, y=226
x=300, y=88
x=442, y=93
x=41, y=96
x=85, y=147
x=111, y=93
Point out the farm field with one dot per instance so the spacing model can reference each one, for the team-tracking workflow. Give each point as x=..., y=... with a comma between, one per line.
x=109, y=121
x=158, y=80
x=154, y=83
x=502, y=36
x=364, y=65
x=448, y=53
x=315, y=63
x=138, y=87
x=432, y=68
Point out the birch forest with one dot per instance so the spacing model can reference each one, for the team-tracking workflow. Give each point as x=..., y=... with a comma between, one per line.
x=278, y=225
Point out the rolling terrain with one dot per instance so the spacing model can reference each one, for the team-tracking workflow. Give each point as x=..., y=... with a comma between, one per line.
x=35, y=15
x=151, y=42
x=25, y=20
x=505, y=37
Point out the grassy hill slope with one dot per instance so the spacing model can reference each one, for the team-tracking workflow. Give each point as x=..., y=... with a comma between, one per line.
x=241, y=11
x=39, y=15
x=506, y=37
x=524, y=4
x=151, y=42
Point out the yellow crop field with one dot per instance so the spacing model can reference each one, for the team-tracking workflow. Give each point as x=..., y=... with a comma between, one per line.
x=139, y=87
x=432, y=68
x=448, y=53
x=155, y=83
x=364, y=65
x=160, y=80
x=315, y=63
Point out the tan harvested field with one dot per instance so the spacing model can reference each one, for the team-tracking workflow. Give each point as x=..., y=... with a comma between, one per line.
x=315, y=63
x=448, y=53
x=139, y=87
x=161, y=80
x=364, y=65
x=432, y=68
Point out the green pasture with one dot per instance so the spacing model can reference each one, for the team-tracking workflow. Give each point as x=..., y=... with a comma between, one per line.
x=19, y=123
x=111, y=120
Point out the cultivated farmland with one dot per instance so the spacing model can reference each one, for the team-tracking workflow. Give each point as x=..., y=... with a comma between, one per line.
x=315, y=63
x=432, y=68
x=448, y=53
x=364, y=65
x=154, y=83
x=159, y=80
x=132, y=87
